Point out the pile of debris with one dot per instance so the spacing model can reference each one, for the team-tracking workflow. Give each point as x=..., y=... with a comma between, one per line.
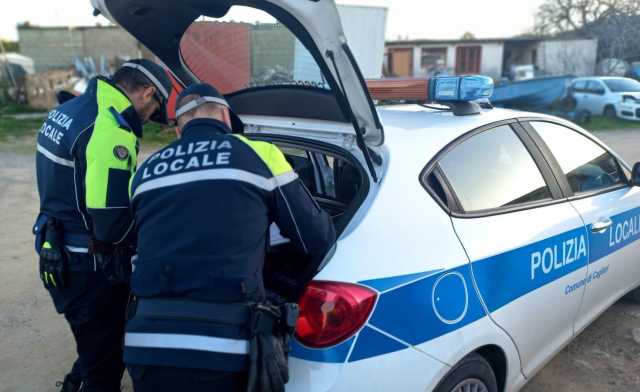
x=41, y=88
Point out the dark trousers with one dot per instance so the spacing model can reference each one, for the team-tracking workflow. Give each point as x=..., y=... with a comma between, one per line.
x=161, y=379
x=95, y=311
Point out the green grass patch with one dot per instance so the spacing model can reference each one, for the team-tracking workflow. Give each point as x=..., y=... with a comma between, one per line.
x=606, y=124
x=14, y=108
x=11, y=127
x=157, y=134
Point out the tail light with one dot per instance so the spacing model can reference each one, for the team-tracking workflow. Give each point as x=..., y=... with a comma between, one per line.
x=330, y=312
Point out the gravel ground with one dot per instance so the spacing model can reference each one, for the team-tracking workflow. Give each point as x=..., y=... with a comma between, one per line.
x=37, y=348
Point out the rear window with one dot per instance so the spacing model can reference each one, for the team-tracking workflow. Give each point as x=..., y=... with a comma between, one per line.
x=493, y=169
x=248, y=48
x=623, y=85
x=587, y=166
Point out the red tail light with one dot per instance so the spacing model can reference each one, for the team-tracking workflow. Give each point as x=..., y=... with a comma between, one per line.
x=331, y=312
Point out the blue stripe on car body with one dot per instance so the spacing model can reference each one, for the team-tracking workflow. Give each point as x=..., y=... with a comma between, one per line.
x=416, y=292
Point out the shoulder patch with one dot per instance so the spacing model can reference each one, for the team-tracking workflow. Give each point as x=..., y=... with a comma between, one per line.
x=121, y=153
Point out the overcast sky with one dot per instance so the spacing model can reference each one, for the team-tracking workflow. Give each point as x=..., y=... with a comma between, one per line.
x=412, y=18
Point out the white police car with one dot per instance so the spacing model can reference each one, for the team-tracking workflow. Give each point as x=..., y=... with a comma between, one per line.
x=474, y=242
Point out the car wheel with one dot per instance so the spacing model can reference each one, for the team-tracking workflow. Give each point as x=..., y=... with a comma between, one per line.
x=634, y=295
x=610, y=112
x=584, y=117
x=473, y=373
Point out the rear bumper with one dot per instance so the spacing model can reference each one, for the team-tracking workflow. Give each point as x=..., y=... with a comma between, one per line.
x=404, y=370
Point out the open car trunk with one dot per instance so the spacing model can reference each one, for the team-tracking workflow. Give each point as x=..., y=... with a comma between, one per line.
x=339, y=185
x=162, y=25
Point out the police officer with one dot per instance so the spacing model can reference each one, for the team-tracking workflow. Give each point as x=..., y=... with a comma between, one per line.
x=86, y=153
x=203, y=208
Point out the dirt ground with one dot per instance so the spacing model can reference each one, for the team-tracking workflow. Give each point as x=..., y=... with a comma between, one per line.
x=36, y=347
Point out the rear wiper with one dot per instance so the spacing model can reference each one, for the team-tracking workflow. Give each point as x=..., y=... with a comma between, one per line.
x=359, y=132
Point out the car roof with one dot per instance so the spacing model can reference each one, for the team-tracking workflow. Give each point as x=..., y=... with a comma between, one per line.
x=420, y=133
x=427, y=131
x=599, y=78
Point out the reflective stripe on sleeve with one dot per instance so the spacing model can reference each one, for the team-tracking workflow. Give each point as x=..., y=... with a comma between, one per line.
x=268, y=184
x=186, y=342
x=53, y=157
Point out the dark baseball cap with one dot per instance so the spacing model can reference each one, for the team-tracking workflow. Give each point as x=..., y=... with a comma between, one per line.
x=159, y=79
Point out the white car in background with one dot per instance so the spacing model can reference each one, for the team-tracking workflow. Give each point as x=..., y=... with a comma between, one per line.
x=474, y=243
x=608, y=96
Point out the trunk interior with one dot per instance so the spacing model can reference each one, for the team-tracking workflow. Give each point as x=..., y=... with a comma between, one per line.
x=336, y=181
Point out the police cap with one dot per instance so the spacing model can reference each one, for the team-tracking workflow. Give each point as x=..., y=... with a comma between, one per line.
x=159, y=79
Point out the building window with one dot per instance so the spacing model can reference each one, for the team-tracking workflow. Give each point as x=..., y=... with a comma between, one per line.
x=468, y=59
x=434, y=60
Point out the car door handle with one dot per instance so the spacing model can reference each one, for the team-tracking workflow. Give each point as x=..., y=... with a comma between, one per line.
x=601, y=225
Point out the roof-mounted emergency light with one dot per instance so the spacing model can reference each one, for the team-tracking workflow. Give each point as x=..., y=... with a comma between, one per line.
x=460, y=88
x=459, y=92
x=456, y=92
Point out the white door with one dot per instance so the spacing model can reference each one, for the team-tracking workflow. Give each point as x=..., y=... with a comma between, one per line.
x=610, y=208
x=526, y=242
x=596, y=97
x=579, y=89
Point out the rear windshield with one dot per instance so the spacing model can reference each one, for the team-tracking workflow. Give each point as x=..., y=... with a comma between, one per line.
x=248, y=48
x=623, y=85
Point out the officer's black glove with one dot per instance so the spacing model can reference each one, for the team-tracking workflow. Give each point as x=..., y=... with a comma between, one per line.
x=113, y=260
x=53, y=258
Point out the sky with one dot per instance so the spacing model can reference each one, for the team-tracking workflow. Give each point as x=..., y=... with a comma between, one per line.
x=406, y=18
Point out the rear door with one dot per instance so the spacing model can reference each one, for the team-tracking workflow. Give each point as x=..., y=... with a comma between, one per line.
x=596, y=97
x=597, y=185
x=579, y=89
x=525, y=242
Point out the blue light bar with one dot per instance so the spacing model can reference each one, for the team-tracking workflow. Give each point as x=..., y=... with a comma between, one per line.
x=460, y=88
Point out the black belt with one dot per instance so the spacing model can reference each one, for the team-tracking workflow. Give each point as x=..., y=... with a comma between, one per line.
x=230, y=314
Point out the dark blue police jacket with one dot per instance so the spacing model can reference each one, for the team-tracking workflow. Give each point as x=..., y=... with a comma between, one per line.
x=70, y=174
x=203, y=207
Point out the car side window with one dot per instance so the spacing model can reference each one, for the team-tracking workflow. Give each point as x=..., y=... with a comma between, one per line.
x=493, y=169
x=580, y=86
x=595, y=87
x=587, y=166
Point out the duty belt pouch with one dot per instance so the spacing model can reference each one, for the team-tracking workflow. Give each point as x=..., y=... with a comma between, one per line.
x=268, y=349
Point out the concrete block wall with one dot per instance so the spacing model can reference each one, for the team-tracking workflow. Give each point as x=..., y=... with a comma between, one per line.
x=50, y=48
x=57, y=47
x=272, y=51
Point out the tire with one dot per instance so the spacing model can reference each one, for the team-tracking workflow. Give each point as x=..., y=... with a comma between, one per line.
x=610, y=112
x=633, y=296
x=584, y=117
x=472, y=371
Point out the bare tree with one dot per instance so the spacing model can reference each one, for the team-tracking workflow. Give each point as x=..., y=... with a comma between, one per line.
x=560, y=16
x=616, y=24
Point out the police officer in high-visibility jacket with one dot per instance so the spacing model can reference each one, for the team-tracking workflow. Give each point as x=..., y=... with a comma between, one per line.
x=86, y=153
x=203, y=208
